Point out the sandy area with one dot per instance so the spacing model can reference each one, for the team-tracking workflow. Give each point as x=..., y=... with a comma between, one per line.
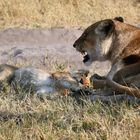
x=49, y=49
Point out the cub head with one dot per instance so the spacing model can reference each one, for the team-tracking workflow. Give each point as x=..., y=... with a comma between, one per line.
x=96, y=41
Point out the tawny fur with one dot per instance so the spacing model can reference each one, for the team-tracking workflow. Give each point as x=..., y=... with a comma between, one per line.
x=116, y=41
x=127, y=42
x=40, y=81
x=6, y=72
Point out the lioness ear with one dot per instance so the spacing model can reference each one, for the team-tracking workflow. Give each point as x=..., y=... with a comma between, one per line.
x=119, y=19
x=105, y=28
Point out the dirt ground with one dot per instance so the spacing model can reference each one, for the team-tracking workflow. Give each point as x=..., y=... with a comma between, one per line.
x=50, y=49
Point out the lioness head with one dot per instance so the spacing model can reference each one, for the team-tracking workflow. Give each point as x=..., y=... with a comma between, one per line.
x=96, y=40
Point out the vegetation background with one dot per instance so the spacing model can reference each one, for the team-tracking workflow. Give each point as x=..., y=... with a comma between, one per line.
x=25, y=117
x=65, y=13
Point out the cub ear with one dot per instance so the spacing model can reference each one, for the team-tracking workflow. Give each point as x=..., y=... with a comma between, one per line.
x=105, y=27
x=119, y=19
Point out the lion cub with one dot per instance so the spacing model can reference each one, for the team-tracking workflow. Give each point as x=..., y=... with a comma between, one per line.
x=42, y=82
x=118, y=42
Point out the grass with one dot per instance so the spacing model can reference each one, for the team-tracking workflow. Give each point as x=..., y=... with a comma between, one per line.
x=65, y=13
x=26, y=117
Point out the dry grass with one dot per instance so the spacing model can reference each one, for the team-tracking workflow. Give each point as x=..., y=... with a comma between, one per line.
x=24, y=117
x=65, y=13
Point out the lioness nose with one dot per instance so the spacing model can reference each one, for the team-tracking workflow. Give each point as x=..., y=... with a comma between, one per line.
x=74, y=45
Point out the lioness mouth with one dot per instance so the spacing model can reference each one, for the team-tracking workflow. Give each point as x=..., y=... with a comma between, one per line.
x=86, y=58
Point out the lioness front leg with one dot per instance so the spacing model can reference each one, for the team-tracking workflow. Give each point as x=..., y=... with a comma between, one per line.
x=101, y=82
x=126, y=76
x=116, y=86
x=98, y=82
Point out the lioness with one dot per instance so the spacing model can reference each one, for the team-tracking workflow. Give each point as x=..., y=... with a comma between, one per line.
x=118, y=42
